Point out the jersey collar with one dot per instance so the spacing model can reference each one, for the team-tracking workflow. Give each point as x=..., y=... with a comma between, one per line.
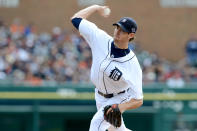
x=117, y=52
x=125, y=58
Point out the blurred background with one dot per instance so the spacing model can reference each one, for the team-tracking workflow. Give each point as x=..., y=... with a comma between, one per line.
x=45, y=64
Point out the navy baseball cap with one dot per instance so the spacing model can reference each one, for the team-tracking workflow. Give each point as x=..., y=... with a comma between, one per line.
x=127, y=24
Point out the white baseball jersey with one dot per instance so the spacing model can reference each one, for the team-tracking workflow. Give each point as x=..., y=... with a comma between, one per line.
x=111, y=75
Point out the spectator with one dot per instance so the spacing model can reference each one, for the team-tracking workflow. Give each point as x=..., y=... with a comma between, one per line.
x=191, y=51
x=175, y=81
x=29, y=29
x=17, y=29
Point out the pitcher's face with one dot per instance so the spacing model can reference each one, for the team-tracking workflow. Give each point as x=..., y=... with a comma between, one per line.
x=120, y=36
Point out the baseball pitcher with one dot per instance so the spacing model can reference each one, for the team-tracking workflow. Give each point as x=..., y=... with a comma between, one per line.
x=115, y=70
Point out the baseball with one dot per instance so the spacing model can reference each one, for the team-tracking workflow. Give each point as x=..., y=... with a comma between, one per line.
x=107, y=11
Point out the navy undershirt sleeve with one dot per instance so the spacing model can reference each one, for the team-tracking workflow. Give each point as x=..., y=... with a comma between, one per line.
x=76, y=22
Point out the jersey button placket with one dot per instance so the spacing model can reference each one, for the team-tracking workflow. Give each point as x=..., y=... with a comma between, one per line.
x=103, y=67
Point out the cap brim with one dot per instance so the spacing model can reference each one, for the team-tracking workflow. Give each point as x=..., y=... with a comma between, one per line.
x=121, y=26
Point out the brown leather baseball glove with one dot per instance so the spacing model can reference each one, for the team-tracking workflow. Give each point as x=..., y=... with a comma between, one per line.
x=113, y=115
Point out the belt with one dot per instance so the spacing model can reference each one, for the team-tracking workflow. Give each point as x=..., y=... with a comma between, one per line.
x=111, y=95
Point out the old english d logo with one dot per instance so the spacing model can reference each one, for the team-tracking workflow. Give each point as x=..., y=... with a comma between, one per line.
x=115, y=74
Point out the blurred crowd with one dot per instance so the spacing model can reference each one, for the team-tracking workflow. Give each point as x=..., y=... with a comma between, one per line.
x=30, y=57
x=27, y=56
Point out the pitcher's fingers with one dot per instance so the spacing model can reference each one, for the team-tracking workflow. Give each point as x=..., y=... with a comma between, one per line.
x=109, y=110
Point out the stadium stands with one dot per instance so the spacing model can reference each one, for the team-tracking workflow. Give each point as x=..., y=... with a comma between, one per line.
x=34, y=58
